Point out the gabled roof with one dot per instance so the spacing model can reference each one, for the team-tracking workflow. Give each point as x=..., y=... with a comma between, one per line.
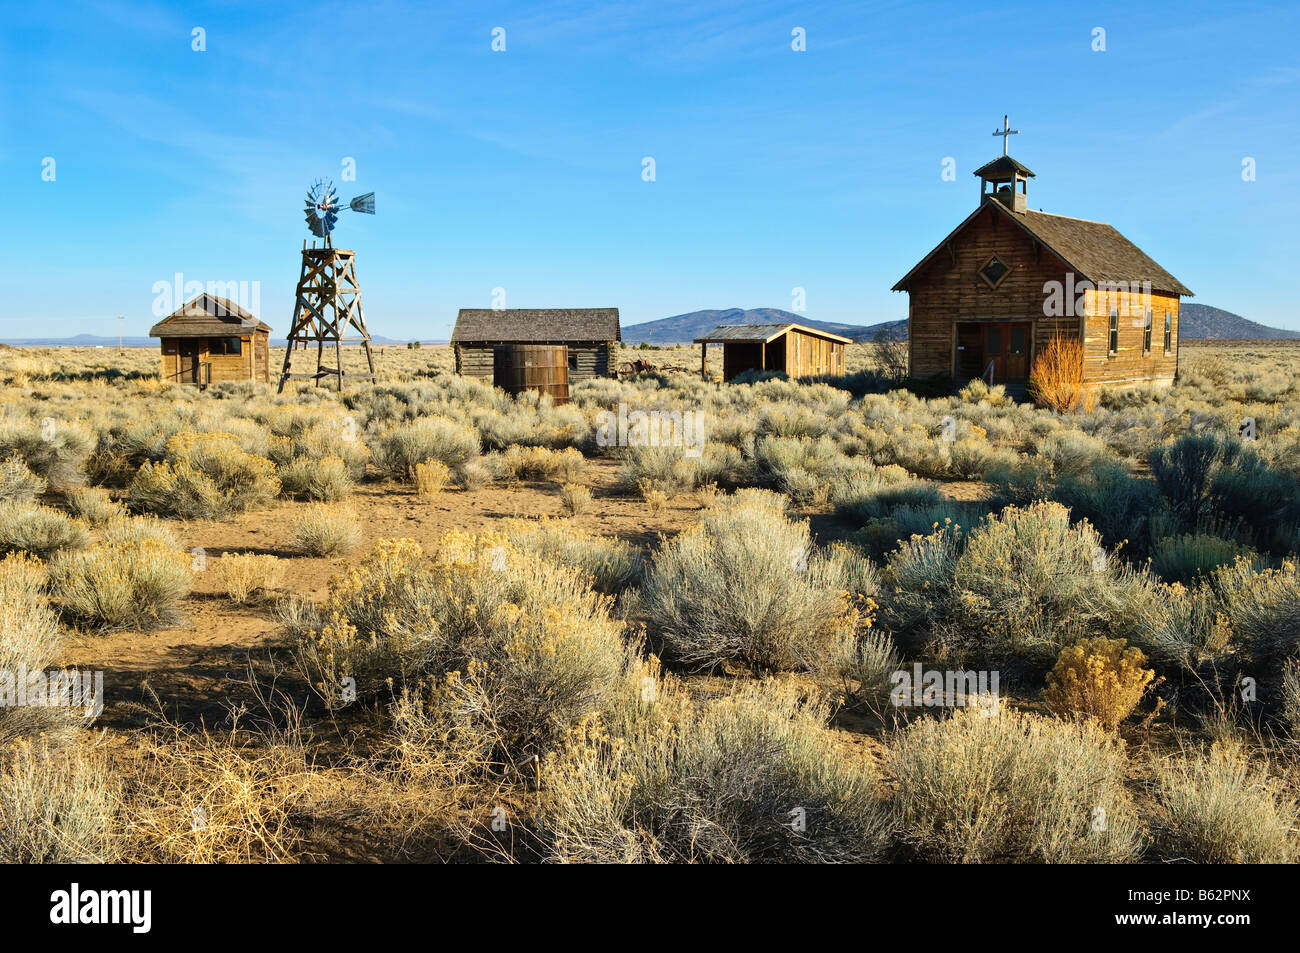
x=761, y=334
x=207, y=316
x=1003, y=166
x=1092, y=250
x=524, y=325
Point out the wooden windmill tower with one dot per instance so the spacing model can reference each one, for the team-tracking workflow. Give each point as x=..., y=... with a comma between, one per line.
x=327, y=307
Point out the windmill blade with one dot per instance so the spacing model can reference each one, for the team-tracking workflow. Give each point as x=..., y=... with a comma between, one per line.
x=363, y=203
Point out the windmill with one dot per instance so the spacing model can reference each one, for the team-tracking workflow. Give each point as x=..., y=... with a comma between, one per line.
x=328, y=298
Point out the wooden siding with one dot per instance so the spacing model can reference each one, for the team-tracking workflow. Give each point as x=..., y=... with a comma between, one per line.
x=1129, y=364
x=807, y=355
x=252, y=363
x=586, y=359
x=949, y=289
x=795, y=353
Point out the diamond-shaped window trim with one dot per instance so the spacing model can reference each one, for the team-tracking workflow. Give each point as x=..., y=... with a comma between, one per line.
x=994, y=271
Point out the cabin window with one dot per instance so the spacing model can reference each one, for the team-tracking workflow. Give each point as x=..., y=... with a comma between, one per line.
x=224, y=346
x=1169, y=333
x=1113, y=347
x=1146, y=333
x=994, y=271
x=573, y=359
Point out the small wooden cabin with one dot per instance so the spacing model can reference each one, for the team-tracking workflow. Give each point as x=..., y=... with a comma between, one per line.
x=792, y=349
x=592, y=336
x=213, y=339
x=1007, y=279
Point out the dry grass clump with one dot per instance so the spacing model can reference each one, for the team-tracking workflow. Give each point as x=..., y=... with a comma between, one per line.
x=39, y=530
x=863, y=677
x=472, y=475
x=326, y=529
x=202, y=798
x=29, y=637
x=431, y=478
x=247, y=576
x=135, y=529
x=1012, y=788
x=94, y=505
x=575, y=499
x=654, y=495
x=610, y=564
x=667, y=469
x=57, y=805
x=122, y=585
x=539, y=463
x=745, y=585
x=327, y=479
x=508, y=650
x=747, y=778
x=1193, y=556
x=18, y=484
x=398, y=450
x=1099, y=678
x=1221, y=808
x=204, y=476
x=1056, y=378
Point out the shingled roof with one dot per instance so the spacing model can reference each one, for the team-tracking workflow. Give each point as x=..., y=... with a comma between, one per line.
x=760, y=333
x=1092, y=250
x=1003, y=165
x=536, y=325
x=207, y=316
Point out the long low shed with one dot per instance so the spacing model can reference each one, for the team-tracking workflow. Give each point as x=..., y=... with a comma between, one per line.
x=791, y=349
x=592, y=336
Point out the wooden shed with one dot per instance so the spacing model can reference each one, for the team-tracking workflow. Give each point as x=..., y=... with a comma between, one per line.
x=1008, y=279
x=592, y=336
x=213, y=339
x=792, y=349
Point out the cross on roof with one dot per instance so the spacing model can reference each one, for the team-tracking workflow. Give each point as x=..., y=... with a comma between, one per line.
x=1005, y=131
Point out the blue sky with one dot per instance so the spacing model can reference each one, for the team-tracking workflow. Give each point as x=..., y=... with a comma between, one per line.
x=522, y=169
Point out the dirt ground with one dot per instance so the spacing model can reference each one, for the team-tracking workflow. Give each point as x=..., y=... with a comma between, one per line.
x=195, y=671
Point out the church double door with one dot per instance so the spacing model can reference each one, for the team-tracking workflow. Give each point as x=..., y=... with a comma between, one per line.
x=996, y=350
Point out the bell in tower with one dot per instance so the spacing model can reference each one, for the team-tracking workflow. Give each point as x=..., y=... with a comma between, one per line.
x=1005, y=180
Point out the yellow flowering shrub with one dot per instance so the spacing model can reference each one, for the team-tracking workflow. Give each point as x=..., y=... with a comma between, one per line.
x=249, y=575
x=202, y=476
x=1099, y=678
x=431, y=477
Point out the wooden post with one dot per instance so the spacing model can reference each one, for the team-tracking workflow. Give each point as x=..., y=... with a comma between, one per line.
x=704, y=360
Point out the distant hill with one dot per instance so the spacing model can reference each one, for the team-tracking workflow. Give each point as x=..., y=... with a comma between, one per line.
x=683, y=328
x=1200, y=321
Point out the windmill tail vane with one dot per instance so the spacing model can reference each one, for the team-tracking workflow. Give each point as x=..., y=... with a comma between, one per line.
x=321, y=209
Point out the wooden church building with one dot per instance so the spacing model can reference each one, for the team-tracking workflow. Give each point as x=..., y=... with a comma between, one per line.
x=212, y=339
x=993, y=293
x=591, y=335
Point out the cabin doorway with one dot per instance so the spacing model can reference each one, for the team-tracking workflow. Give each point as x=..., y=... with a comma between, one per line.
x=189, y=360
x=997, y=351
